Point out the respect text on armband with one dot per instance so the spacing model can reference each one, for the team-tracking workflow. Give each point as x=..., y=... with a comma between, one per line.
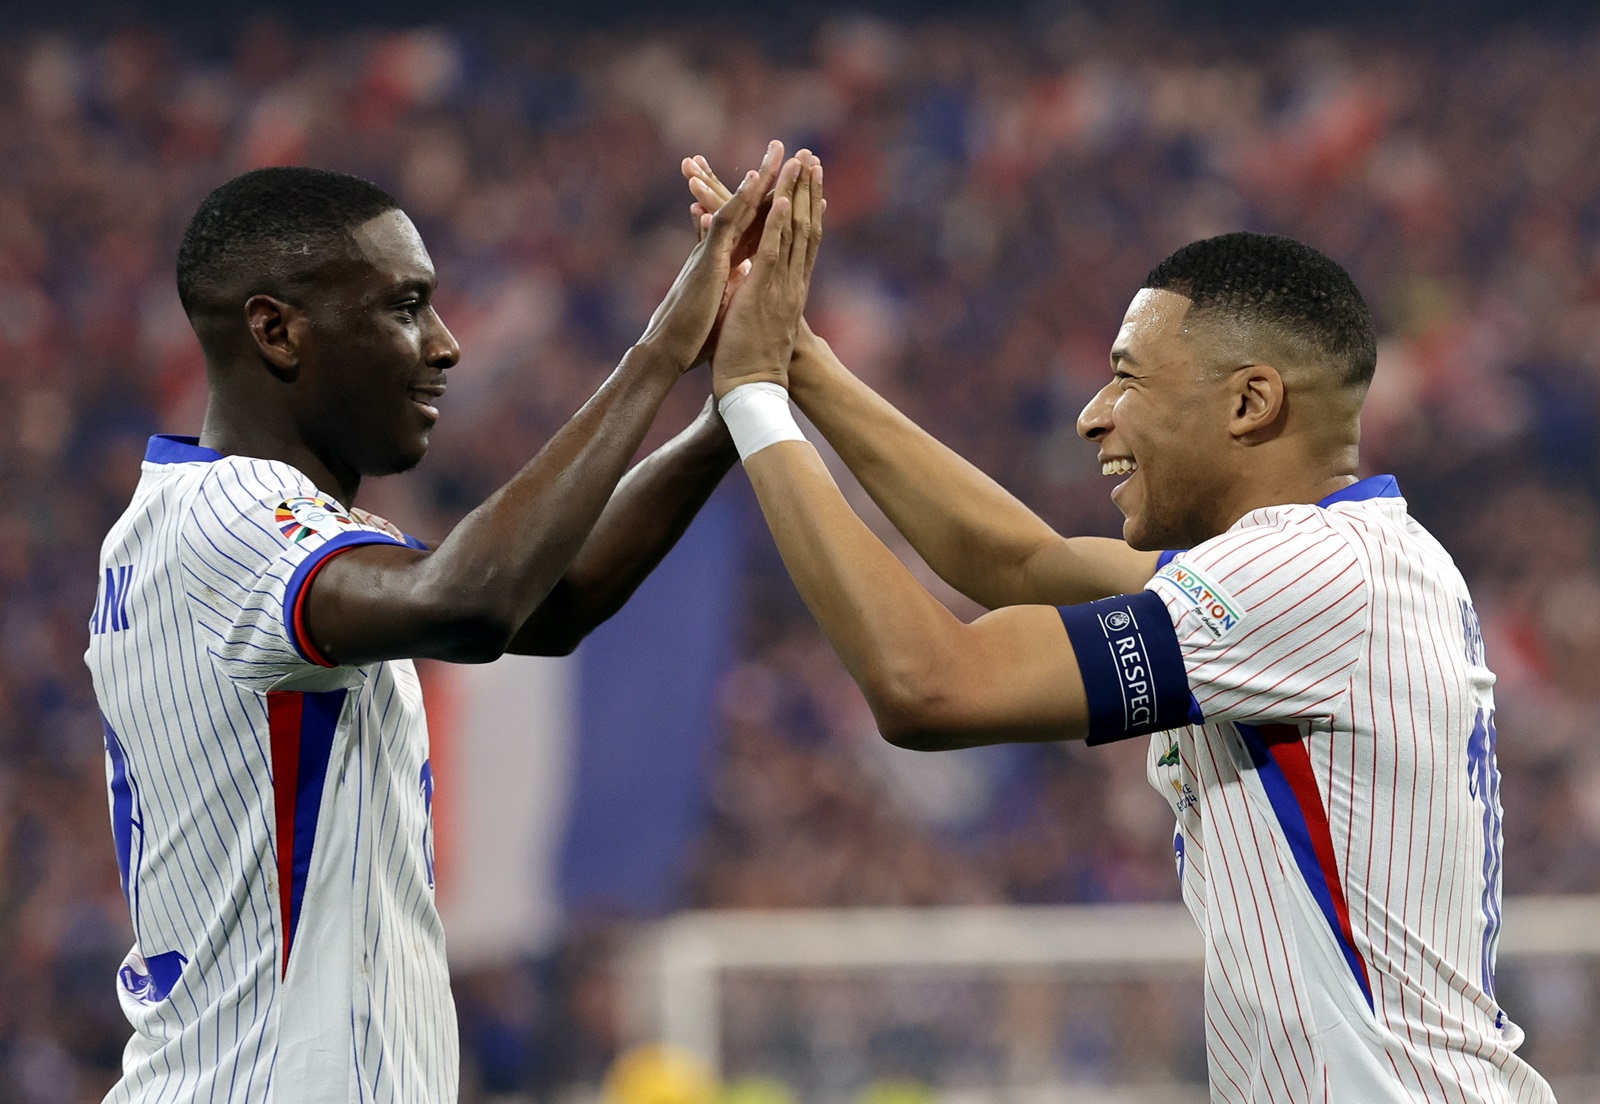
x=1132, y=667
x=1132, y=661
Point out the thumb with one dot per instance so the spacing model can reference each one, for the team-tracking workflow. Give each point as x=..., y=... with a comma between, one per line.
x=729, y=224
x=736, y=215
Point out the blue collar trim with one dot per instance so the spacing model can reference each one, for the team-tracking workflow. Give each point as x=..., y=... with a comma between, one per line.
x=1374, y=486
x=168, y=448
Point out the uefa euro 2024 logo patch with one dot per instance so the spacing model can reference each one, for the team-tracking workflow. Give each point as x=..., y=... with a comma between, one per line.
x=299, y=518
x=1216, y=608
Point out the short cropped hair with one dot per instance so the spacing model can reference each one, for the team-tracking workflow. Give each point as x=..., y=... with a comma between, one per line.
x=1285, y=285
x=270, y=226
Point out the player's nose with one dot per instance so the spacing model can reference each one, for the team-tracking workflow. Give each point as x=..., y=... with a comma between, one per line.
x=441, y=349
x=1095, y=420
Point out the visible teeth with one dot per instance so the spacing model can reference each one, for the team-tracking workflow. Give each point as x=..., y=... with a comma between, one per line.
x=1118, y=467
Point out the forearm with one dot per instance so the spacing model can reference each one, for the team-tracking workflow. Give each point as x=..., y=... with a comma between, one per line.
x=974, y=533
x=650, y=509
x=501, y=562
x=931, y=681
x=525, y=536
x=884, y=625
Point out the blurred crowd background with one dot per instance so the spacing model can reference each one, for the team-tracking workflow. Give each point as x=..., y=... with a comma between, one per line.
x=997, y=190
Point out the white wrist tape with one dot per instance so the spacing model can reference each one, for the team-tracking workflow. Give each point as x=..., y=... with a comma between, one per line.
x=758, y=415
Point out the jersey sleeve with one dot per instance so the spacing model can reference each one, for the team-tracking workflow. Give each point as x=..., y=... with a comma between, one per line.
x=1269, y=620
x=1257, y=626
x=254, y=540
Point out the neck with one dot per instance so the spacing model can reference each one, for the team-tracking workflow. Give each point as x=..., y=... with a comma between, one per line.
x=1309, y=480
x=266, y=432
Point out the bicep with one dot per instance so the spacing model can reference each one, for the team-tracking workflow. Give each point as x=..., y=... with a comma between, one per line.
x=1008, y=677
x=1102, y=670
x=1068, y=570
x=384, y=601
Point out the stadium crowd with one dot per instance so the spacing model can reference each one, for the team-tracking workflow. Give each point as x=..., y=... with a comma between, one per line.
x=995, y=197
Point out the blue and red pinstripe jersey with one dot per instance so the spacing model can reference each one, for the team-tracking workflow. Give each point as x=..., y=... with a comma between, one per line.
x=271, y=813
x=1330, y=757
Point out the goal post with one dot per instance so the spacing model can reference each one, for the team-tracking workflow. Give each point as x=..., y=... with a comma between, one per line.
x=673, y=972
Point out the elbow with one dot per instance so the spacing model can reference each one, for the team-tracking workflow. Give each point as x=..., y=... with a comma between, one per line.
x=912, y=711
x=558, y=640
x=481, y=618
x=911, y=737
x=475, y=636
x=923, y=736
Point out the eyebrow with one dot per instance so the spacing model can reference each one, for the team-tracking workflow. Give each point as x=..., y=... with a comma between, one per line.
x=415, y=285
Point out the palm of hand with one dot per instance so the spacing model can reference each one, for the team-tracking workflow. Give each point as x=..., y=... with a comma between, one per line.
x=756, y=329
x=763, y=313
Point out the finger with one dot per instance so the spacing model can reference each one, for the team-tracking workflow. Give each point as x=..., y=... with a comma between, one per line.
x=801, y=246
x=736, y=215
x=769, y=253
x=784, y=193
x=710, y=177
x=702, y=221
x=799, y=209
x=818, y=206
x=740, y=273
x=707, y=196
x=771, y=165
x=750, y=191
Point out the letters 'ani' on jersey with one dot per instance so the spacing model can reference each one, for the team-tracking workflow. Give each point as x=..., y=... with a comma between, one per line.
x=1324, y=730
x=271, y=813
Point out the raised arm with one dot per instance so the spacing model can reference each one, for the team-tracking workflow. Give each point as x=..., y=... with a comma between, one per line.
x=931, y=681
x=473, y=597
x=975, y=534
x=648, y=512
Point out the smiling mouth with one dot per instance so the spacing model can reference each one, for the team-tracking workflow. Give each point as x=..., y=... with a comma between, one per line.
x=424, y=398
x=1118, y=467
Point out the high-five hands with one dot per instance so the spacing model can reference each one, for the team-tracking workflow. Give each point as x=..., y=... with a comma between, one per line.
x=763, y=313
x=683, y=324
x=709, y=192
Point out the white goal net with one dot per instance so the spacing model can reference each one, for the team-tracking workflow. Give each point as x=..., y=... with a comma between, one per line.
x=1090, y=1004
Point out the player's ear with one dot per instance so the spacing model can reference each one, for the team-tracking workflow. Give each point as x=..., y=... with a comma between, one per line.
x=1259, y=402
x=278, y=330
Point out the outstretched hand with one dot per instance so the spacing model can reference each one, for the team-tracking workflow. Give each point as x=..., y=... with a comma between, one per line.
x=758, y=330
x=682, y=325
x=710, y=193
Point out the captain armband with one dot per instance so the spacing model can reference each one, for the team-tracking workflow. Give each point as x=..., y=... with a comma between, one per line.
x=1133, y=673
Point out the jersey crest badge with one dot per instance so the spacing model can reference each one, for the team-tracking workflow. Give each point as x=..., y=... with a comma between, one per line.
x=1216, y=608
x=300, y=518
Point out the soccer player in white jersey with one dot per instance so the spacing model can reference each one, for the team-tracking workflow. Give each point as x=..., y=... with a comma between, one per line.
x=1309, y=668
x=267, y=751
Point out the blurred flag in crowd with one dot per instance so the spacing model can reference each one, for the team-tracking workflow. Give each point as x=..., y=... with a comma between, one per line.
x=574, y=787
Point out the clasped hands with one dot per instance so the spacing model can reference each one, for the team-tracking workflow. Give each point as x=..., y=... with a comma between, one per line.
x=739, y=297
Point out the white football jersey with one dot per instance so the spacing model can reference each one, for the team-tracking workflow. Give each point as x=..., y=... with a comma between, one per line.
x=271, y=813
x=1337, y=799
